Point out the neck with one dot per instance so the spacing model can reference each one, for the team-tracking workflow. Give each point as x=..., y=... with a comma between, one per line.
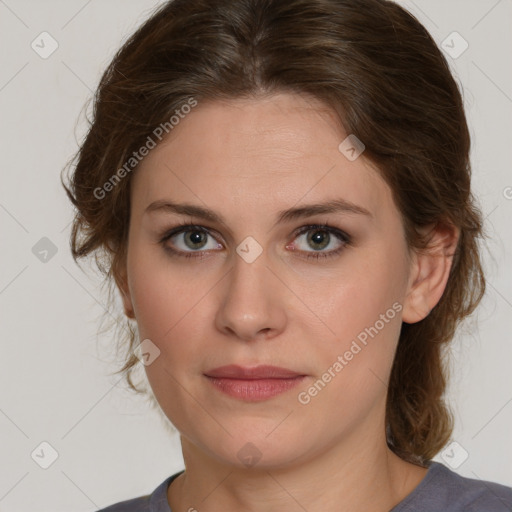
x=358, y=474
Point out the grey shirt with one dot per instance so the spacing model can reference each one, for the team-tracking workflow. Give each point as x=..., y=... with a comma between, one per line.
x=441, y=490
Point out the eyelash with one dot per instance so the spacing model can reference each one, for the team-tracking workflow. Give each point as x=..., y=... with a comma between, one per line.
x=186, y=227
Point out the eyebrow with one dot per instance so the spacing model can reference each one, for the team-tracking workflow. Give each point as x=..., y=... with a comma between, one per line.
x=309, y=210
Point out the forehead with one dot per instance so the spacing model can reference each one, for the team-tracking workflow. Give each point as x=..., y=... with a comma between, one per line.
x=259, y=155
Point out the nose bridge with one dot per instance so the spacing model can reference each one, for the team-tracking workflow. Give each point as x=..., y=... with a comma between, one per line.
x=250, y=305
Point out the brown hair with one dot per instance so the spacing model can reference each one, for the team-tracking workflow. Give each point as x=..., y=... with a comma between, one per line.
x=379, y=69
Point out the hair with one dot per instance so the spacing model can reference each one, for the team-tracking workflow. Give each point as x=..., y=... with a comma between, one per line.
x=372, y=63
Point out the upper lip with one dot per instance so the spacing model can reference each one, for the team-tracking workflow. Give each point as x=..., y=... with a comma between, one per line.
x=233, y=371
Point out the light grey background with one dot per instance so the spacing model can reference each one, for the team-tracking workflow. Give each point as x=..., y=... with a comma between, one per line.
x=54, y=383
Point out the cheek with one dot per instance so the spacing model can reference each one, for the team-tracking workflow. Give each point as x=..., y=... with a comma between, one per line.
x=372, y=286
x=354, y=368
x=367, y=332
x=169, y=305
x=162, y=296
x=363, y=309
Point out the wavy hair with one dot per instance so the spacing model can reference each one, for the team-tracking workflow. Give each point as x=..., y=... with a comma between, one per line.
x=378, y=68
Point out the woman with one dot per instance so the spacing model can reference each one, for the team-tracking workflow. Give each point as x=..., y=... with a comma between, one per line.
x=280, y=191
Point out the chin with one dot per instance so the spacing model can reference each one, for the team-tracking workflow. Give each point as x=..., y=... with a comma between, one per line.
x=254, y=451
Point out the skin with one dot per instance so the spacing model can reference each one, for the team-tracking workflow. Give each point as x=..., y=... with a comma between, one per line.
x=247, y=160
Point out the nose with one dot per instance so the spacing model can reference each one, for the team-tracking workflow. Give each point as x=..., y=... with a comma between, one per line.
x=252, y=303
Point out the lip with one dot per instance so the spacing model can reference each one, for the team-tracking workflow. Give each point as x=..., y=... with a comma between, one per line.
x=234, y=371
x=253, y=384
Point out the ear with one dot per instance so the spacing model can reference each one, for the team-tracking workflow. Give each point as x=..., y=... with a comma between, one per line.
x=430, y=271
x=121, y=279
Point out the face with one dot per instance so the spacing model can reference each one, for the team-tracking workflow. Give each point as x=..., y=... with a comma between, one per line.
x=320, y=293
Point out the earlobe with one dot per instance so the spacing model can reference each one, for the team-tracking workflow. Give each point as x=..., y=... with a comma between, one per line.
x=430, y=272
x=128, y=307
x=122, y=285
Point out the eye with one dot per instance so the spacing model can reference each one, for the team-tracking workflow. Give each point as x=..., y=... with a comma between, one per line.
x=320, y=237
x=191, y=241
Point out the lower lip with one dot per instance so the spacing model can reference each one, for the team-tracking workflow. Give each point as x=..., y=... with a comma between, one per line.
x=256, y=389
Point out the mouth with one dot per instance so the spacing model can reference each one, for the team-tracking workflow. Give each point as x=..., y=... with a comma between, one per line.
x=253, y=384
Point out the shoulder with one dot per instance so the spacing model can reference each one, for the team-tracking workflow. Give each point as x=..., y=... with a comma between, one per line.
x=154, y=502
x=443, y=489
x=140, y=504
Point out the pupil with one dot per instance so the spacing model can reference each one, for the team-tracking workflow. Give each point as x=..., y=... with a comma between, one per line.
x=317, y=238
x=196, y=237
